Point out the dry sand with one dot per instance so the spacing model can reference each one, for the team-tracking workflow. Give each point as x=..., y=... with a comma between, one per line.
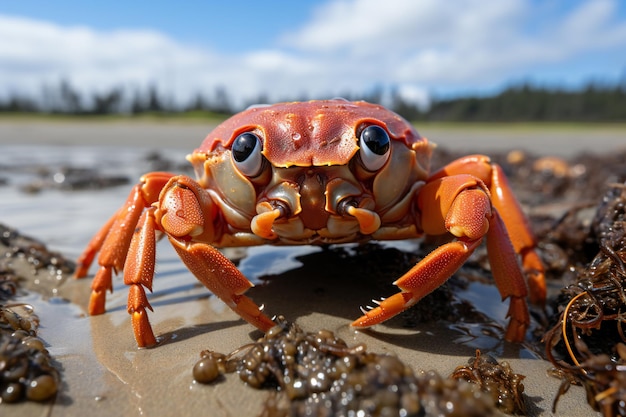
x=105, y=374
x=564, y=141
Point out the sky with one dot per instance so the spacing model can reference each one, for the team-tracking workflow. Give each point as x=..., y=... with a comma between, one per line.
x=276, y=50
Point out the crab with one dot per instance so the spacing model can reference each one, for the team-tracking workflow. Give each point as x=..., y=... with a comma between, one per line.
x=317, y=173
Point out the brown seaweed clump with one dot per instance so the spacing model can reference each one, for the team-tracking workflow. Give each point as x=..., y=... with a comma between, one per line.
x=496, y=379
x=603, y=377
x=26, y=369
x=29, y=263
x=317, y=374
x=586, y=343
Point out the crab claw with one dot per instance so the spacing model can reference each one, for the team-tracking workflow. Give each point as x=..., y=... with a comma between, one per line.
x=369, y=221
x=263, y=222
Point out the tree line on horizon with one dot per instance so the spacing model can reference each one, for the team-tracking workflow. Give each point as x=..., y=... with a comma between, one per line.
x=521, y=103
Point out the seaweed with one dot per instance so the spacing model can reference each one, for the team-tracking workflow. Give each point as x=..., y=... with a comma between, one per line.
x=27, y=371
x=316, y=373
x=586, y=344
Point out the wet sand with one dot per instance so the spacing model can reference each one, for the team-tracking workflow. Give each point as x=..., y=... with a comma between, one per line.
x=105, y=374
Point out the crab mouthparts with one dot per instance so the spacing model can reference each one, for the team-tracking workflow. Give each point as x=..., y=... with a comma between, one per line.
x=313, y=206
x=313, y=202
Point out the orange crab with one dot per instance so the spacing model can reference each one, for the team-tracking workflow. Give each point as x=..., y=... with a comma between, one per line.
x=317, y=172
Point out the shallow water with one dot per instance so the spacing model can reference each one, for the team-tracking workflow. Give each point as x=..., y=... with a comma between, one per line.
x=104, y=371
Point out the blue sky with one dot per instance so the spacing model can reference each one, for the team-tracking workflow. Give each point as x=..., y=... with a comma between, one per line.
x=230, y=26
x=284, y=50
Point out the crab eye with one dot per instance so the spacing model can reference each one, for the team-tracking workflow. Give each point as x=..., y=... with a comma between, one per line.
x=246, y=152
x=374, y=147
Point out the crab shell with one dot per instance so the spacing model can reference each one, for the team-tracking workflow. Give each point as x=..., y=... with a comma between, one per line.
x=311, y=167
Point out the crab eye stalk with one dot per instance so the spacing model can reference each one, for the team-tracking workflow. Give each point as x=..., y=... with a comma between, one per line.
x=246, y=152
x=374, y=147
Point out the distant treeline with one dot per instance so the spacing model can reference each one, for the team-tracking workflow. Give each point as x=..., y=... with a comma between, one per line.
x=593, y=103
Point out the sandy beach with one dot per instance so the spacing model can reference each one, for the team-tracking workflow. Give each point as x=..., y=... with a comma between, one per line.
x=105, y=374
x=565, y=141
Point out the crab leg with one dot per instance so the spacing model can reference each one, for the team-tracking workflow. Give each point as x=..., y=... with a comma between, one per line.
x=93, y=247
x=138, y=273
x=223, y=279
x=464, y=209
x=114, y=238
x=516, y=223
x=429, y=274
x=509, y=278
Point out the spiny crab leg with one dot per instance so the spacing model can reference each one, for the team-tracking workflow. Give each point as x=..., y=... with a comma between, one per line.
x=466, y=212
x=429, y=274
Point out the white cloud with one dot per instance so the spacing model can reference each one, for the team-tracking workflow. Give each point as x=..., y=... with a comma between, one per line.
x=41, y=53
x=347, y=46
x=461, y=43
x=414, y=94
x=366, y=27
x=592, y=26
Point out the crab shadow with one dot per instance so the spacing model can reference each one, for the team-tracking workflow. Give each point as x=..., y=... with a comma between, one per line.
x=337, y=280
x=297, y=282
